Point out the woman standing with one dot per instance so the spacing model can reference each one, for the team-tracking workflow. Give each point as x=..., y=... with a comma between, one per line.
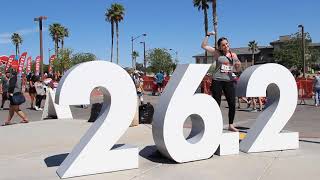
x=223, y=77
x=15, y=88
x=41, y=92
x=32, y=89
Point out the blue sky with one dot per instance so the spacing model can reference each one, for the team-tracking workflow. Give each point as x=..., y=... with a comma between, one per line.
x=168, y=24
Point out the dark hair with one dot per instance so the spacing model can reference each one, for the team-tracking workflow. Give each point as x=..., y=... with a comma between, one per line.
x=221, y=39
x=219, y=43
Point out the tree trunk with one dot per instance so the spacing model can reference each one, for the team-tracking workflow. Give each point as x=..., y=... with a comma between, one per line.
x=56, y=41
x=112, y=37
x=205, y=13
x=62, y=63
x=252, y=58
x=215, y=22
x=117, y=29
x=62, y=44
x=17, y=49
x=246, y=62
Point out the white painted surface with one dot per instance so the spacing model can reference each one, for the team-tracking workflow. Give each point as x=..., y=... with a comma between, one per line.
x=51, y=109
x=264, y=134
x=229, y=144
x=178, y=102
x=92, y=154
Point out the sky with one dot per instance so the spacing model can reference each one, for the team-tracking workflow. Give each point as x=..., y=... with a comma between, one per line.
x=170, y=24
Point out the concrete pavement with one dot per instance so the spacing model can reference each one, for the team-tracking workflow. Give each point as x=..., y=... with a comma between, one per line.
x=35, y=150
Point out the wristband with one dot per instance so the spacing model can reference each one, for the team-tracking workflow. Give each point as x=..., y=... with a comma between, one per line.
x=208, y=35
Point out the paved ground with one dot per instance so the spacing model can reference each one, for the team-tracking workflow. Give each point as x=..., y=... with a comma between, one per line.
x=35, y=150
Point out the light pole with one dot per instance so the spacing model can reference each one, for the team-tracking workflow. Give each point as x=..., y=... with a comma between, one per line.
x=303, y=50
x=39, y=19
x=144, y=55
x=176, y=53
x=132, y=39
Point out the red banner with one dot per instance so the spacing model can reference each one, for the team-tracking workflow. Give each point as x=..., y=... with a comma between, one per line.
x=28, y=65
x=11, y=58
x=21, y=62
x=38, y=65
x=4, y=58
x=51, y=63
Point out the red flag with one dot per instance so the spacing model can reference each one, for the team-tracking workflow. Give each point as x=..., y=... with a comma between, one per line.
x=38, y=65
x=4, y=59
x=11, y=58
x=15, y=65
x=28, y=65
x=51, y=63
x=21, y=62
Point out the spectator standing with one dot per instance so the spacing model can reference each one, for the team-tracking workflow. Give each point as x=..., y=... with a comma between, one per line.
x=40, y=89
x=316, y=87
x=159, y=80
x=5, y=88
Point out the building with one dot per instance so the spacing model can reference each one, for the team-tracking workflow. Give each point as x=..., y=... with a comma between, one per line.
x=263, y=55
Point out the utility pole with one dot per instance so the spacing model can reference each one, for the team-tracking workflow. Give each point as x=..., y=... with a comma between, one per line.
x=132, y=39
x=40, y=19
x=303, y=50
x=144, y=55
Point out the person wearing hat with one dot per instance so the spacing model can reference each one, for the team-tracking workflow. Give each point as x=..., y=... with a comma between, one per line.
x=138, y=81
x=316, y=86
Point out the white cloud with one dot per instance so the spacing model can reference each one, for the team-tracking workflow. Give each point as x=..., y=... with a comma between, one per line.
x=5, y=38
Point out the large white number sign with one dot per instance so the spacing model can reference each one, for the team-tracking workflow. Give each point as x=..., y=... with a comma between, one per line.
x=281, y=89
x=178, y=102
x=92, y=154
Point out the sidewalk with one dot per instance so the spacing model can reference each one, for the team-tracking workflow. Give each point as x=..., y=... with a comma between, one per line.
x=35, y=150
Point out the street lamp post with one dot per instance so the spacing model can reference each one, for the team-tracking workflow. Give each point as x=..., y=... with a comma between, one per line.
x=40, y=19
x=303, y=50
x=144, y=55
x=132, y=39
x=176, y=53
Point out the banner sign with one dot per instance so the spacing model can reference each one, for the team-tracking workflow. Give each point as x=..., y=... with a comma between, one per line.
x=11, y=58
x=51, y=63
x=28, y=65
x=38, y=65
x=21, y=62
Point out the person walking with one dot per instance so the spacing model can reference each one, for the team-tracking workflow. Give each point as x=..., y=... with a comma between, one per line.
x=316, y=87
x=5, y=88
x=223, y=77
x=15, y=89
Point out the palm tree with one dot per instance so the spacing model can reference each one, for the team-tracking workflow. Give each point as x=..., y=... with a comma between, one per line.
x=135, y=54
x=110, y=18
x=119, y=15
x=215, y=21
x=16, y=40
x=65, y=33
x=115, y=15
x=253, y=47
x=56, y=32
x=203, y=5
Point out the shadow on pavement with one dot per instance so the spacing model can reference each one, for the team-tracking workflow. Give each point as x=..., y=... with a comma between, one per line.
x=152, y=154
x=55, y=160
x=315, y=142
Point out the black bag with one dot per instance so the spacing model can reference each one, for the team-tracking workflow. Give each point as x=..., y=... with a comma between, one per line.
x=18, y=98
x=146, y=113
